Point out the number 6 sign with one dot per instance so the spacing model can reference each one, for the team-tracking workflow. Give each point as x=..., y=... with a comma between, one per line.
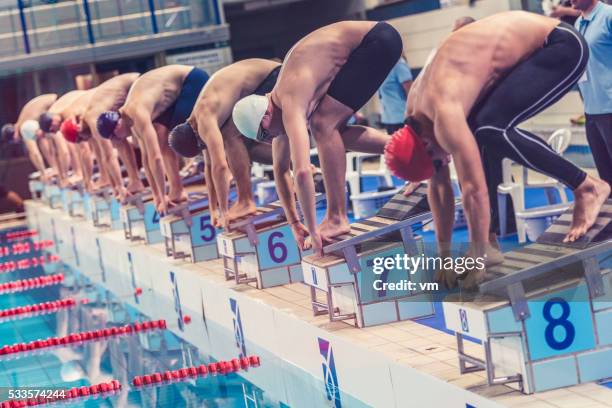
x=277, y=248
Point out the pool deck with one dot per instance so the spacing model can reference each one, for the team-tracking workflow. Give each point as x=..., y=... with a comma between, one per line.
x=412, y=362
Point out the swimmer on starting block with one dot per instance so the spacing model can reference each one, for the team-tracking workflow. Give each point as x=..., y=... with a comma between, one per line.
x=326, y=77
x=65, y=154
x=94, y=123
x=157, y=102
x=31, y=112
x=483, y=81
x=208, y=129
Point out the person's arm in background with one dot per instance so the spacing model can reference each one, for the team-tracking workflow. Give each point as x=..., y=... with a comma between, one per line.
x=281, y=166
x=404, y=75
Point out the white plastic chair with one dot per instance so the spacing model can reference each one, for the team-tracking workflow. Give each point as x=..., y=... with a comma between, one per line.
x=559, y=141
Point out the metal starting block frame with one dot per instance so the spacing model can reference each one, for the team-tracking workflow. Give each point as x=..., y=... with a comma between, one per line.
x=544, y=315
x=140, y=219
x=260, y=249
x=339, y=274
x=190, y=233
x=73, y=201
x=105, y=209
x=36, y=186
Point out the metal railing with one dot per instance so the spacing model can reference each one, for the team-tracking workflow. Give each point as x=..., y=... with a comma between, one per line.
x=34, y=26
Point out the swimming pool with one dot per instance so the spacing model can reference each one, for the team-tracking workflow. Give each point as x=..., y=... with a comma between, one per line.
x=124, y=357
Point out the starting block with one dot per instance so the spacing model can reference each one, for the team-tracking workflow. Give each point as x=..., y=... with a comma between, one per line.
x=105, y=209
x=346, y=275
x=140, y=219
x=544, y=316
x=260, y=249
x=36, y=186
x=188, y=232
x=52, y=195
x=73, y=201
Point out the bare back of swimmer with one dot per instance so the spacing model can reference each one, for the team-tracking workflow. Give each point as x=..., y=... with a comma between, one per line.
x=467, y=103
x=110, y=96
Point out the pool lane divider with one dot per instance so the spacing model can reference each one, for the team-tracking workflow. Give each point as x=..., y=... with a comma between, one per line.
x=188, y=373
x=20, y=248
x=11, y=266
x=31, y=283
x=105, y=389
x=83, y=337
x=19, y=235
x=38, y=308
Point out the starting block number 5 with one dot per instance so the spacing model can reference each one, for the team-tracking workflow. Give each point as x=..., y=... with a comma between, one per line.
x=277, y=248
x=560, y=324
x=203, y=232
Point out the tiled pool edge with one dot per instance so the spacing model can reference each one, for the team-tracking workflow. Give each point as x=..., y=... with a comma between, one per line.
x=364, y=374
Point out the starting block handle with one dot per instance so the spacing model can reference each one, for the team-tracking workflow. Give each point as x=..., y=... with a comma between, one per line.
x=252, y=234
x=593, y=277
x=408, y=240
x=518, y=300
x=350, y=255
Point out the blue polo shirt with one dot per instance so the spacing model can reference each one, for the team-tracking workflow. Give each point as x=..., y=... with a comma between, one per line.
x=392, y=94
x=596, y=87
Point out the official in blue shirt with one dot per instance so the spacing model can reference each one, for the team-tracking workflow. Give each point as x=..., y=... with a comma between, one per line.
x=595, y=24
x=393, y=94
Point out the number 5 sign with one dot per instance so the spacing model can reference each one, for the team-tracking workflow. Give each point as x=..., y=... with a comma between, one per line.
x=560, y=323
x=277, y=248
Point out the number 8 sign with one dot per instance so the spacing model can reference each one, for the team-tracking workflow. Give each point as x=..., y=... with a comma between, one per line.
x=560, y=323
x=277, y=248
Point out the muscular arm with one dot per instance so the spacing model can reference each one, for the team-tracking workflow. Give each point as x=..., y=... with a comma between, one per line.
x=35, y=156
x=215, y=161
x=213, y=196
x=455, y=137
x=442, y=203
x=294, y=119
x=143, y=127
x=282, y=177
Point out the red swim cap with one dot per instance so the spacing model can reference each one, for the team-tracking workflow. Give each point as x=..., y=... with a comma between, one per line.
x=406, y=156
x=70, y=130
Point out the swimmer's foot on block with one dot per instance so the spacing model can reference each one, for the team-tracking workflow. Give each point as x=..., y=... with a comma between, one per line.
x=599, y=232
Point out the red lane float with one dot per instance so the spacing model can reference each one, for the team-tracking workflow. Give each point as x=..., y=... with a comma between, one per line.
x=76, y=338
x=38, y=308
x=11, y=266
x=17, y=235
x=182, y=374
x=31, y=283
x=20, y=248
x=104, y=389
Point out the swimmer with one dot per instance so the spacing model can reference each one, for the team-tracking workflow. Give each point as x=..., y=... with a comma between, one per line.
x=109, y=97
x=227, y=152
x=483, y=81
x=64, y=153
x=157, y=102
x=35, y=146
x=326, y=77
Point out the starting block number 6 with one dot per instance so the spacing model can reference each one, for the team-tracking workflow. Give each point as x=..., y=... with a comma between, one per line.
x=560, y=324
x=277, y=248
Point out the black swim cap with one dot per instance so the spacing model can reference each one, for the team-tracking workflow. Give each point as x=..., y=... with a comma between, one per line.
x=184, y=141
x=8, y=130
x=45, y=120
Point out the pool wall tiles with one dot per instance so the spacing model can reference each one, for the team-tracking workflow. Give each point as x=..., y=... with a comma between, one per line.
x=361, y=373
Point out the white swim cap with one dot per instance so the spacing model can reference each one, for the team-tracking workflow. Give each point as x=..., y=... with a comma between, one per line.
x=248, y=113
x=28, y=129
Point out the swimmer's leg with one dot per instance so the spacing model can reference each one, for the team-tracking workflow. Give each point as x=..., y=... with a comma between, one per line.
x=176, y=193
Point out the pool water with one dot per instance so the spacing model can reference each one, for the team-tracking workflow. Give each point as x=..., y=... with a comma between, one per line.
x=124, y=357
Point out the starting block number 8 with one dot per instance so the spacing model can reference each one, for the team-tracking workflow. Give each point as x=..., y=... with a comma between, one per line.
x=277, y=248
x=560, y=324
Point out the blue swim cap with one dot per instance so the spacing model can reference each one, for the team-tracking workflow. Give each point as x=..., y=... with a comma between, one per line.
x=8, y=130
x=107, y=122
